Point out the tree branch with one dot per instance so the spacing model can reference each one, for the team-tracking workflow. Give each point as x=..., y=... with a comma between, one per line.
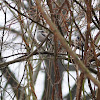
x=65, y=45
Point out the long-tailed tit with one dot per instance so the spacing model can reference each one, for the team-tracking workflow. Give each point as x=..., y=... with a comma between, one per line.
x=41, y=35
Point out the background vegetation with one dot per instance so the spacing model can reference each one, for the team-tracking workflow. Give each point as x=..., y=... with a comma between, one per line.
x=74, y=33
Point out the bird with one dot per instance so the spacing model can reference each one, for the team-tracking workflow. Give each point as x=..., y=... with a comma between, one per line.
x=41, y=35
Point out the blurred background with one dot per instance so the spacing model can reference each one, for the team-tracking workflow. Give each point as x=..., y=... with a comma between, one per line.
x=33, y=70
